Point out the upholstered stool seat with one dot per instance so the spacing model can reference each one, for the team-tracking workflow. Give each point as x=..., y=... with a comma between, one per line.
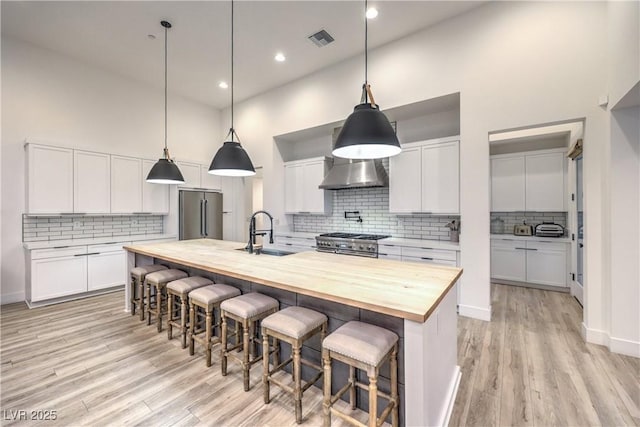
x=367, y=347
x=293, y=325
x=246, y=310
x=138, y=275
x=207, y=299
x=157, y=281
x=178, y=291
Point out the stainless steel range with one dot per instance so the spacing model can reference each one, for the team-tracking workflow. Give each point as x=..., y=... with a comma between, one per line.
x=349, y=244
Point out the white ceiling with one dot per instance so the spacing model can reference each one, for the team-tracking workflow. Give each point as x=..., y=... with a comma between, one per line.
x=113, y=36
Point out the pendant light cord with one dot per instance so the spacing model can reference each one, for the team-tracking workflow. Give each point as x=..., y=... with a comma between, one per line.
x=232, y=130
x=366, y=51
x=166, y=151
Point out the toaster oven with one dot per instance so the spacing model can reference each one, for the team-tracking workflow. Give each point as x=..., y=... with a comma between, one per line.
x=549, y=229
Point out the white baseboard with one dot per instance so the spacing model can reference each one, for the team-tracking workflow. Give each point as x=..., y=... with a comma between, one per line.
x=626, y=347
x=11, y=298
x=595, y=336
x=475, y=312
x=453, y=392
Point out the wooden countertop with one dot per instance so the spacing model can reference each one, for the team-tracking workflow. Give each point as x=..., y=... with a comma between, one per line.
x=402, y=289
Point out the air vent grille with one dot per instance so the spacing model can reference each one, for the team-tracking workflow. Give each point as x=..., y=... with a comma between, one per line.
x=321, y=38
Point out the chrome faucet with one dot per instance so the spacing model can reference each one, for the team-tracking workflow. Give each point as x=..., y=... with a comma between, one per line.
x=253, y=232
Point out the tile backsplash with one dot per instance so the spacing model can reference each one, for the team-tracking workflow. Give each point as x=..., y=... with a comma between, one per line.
x=532, y=218
x=41, y=228
x=373, y=205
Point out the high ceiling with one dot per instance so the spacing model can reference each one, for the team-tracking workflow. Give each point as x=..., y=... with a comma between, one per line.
x=114, y=35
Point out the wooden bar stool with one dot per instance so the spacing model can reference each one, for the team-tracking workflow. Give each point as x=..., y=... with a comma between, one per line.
x=246, y=310
x=158, y=281
x=207, y=299
x=293, y=325
x=138, y=275
x=361, y=346
x=178, y=291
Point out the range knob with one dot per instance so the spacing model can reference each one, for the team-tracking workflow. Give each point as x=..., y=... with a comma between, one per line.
x=361, y=247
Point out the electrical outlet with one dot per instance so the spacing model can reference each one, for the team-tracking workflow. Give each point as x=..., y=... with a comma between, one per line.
x=134, y=222
x=77, y=224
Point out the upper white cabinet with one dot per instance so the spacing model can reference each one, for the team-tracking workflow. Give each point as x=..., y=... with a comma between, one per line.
x=126, y=184
x=190, y=173
x=533, y=181
x=209, y=181
x=49, y=179
x=91, y=182
x=425, y=177
x=155, y=197
x=301, y=181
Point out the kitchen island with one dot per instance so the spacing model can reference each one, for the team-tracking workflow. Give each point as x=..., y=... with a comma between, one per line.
x=417, y=301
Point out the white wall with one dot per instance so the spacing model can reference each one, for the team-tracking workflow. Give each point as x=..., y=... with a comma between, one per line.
x=624, y=39
x=52, y=97
x=515, y=64
x=625, y=231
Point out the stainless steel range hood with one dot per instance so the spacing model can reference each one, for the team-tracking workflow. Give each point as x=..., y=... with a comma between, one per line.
x=347, y=173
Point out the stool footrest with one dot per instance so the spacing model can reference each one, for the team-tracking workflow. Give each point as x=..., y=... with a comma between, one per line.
x=347, y=418
x=340, y=392
x=312, y=381
x=311, y=364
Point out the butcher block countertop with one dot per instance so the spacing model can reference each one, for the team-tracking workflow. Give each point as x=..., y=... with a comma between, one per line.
x=407, y=290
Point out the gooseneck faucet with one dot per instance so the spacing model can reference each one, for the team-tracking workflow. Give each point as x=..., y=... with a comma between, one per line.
x=253, y=232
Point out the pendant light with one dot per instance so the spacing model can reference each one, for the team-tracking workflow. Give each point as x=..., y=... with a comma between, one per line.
x=367, y=133
x=231, y=159
x=165, y=171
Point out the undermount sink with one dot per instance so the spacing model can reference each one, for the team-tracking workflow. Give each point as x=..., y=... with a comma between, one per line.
x=272, y=252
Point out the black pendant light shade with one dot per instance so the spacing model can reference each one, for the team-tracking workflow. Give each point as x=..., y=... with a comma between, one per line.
x=165, y=171
x=367, y=134
x=231, y=160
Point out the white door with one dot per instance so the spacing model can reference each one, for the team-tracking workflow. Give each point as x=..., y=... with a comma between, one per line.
x=126, y=185
x=92, y=183
x=155, y=197
x=313, y=197
x=440, y=178
x=50, y=179
x=508, y=260
x=190, y=173
x=58, y=277
x=405, y=185
x=547, y=263
x=545, y=182
x=106, y=269
x=507, y=184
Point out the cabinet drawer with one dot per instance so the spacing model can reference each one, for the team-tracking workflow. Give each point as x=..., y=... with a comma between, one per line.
x=295, y=241
x=548, y=246
x=389, y=250
x=426, y=260
x=107, y=247
x=61, y=251
x=389, y=256
x=441, y=254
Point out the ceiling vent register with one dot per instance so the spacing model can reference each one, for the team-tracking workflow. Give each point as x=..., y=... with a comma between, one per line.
x=321, y=38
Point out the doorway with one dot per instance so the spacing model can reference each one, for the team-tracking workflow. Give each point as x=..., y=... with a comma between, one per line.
x=578, y=283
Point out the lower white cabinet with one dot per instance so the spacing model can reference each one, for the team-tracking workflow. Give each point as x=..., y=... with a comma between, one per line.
x=65, y=271
x=537, y=262
x=292, y=243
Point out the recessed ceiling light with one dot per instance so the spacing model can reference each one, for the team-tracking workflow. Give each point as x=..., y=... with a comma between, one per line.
x=372, y=12
x=223, y=85
x=280, y=57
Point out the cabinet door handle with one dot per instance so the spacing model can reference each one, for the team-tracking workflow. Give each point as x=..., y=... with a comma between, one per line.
x=425, y=258
x=304, y=212
x=206, y=204
x=90, y=253
x=524, y=249
x=60, y=247
x=429, y=249
x=141, y=213
x=531, y=249
x=288, y=244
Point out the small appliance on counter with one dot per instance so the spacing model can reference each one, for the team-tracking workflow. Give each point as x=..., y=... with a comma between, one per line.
x=523, y=230
x=497, y=226
x=549, y=229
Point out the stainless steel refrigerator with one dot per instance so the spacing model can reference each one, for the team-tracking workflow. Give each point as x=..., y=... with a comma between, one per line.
x=200, y=215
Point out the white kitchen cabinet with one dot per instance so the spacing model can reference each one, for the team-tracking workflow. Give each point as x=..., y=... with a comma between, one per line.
x=429, y=255
x=190, y=173
x=547, y=263
x=405, y=184
x=545, y=182
x=534, y=181
x=508, y=260
x=209, y=181
x=155, y=197
x=302, y=195
x=531, y=261
x=507, y=184
x=425, y=177
x=292, y=243
x=91, y=182
x=49, y=179
x=126, y=184
x=106, y=266
x=56, y=273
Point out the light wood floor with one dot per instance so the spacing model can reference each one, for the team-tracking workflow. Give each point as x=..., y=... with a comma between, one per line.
x=95, y=365
x=530, y=367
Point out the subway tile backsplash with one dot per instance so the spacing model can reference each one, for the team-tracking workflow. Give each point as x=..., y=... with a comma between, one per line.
x=373, y=205
x=532, y=218
x=46, y=228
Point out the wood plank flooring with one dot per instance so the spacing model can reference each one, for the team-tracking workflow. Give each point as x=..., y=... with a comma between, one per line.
x=530, y=367
x=96, y=365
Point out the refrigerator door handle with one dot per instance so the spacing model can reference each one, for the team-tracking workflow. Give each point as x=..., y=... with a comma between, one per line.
x=206, y=207
x=201, y=217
